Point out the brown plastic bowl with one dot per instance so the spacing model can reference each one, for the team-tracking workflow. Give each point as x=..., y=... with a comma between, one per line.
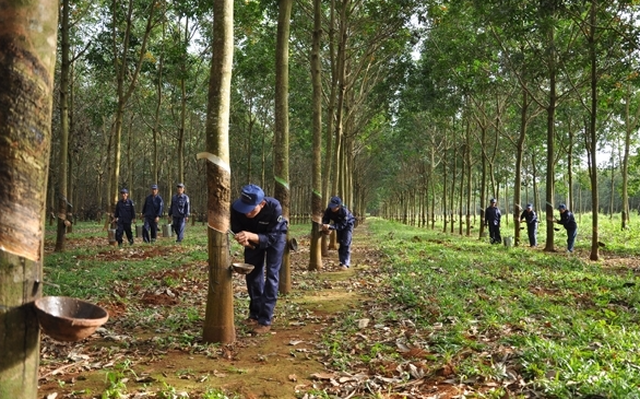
x=242, y=268
x=69, y=319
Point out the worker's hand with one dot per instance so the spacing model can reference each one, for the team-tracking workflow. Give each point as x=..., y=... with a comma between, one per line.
x=157, y=219
x=245, y=238
x=325, y=227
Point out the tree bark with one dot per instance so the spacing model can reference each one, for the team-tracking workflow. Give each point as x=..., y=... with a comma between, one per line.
x=317, y=206
x=551, y=113
x=27, y=60
x=517, y=190
x=218, y=324
x=124, y=90
x=63, y=156
x=593, y=170
x=281, y=145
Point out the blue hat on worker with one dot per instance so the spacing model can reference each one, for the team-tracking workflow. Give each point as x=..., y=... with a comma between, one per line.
x=124, y=190
x=493, y=200
x=250, y=197
x=335, y=201
x=180, y=185
x=562, y=207
x=154, y=186
x=529, y=206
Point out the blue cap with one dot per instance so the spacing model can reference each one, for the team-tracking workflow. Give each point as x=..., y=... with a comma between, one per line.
x=529, y=206
x=154, y=186
x=493, y=200
x=562, y=206
x=250, y=197
x=335, y=201
x=124, y=190
x=180, y=185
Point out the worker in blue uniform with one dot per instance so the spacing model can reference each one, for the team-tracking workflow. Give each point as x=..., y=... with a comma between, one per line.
x=152, y=210
x=124, y=215
x=492, y=220
x=531, y=218
x=179, y=212
x=569, y=222
x=260, y=227
x=337, y=217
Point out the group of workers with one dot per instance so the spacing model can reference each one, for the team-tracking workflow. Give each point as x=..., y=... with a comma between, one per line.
x=125, y=215
x=492, y=221
x=259, y=226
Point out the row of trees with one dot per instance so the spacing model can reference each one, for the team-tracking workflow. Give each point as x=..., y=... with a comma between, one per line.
x=446, y=98
x=513, y=94
x=136, y=98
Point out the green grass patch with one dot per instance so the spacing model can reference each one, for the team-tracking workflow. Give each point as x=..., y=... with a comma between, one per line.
x=568, y=325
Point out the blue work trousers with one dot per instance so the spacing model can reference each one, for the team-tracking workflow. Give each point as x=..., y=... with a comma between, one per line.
x=532, y=231
x=149, y=229
x=494, y=233
x=126, y=228
x=178, y=226
x=571, y=238
x=344, y=237
x=262, y=284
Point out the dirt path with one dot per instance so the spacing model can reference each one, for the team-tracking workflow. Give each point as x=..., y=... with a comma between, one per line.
x=275, y=365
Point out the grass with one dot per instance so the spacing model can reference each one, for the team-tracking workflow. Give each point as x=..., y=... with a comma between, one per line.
x=568, y=325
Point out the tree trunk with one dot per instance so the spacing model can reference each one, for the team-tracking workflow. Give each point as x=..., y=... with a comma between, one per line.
x=592, y=133
x=183, y=107
x=281, y=142
x=625, y=166
x=124, y=89
x=444, y=194
x=63, y=156
x=341, y=85
x=483, y=181
x=469, y=185
x=551, y=113
x=517, y=193
x=317, y=206
x=218, y=324
x=156, y=117
x=27, y=60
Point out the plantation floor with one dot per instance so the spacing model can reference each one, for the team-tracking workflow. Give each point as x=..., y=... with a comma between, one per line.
x=130, y=359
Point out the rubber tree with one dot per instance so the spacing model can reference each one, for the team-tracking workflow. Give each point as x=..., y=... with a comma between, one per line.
x=218, y=324
x=126, y=76
x=63, y=179
x=27, y=61
x=315, y=252
x=281, y=142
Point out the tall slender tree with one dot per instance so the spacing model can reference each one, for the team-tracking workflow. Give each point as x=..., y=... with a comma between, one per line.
x=315, y=253
x=27, y=61
x=63, y=178
x=126, y=75
x=218, y=325
x=281, y=142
